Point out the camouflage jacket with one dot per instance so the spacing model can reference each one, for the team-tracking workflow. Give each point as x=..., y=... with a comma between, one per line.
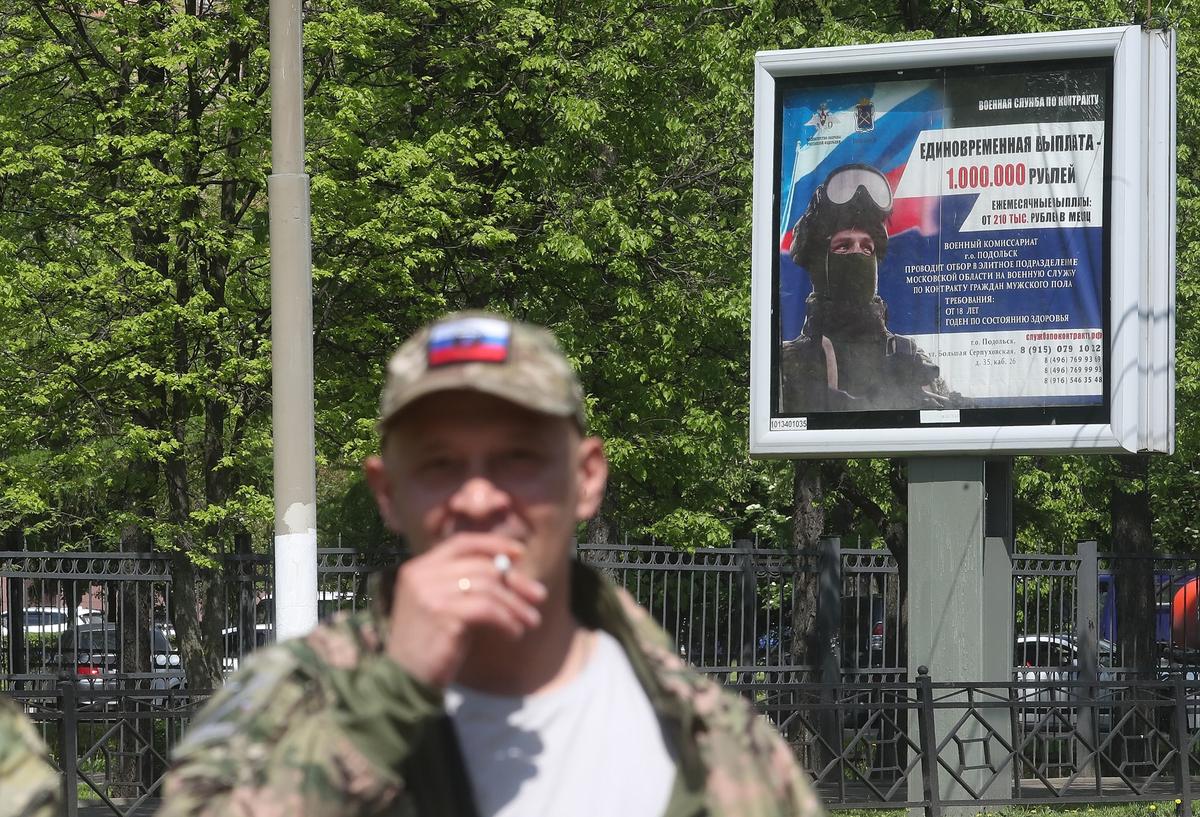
x=328, y=726
x=29, y=786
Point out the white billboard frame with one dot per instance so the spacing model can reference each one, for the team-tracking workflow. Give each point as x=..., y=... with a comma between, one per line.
x=1141, y=234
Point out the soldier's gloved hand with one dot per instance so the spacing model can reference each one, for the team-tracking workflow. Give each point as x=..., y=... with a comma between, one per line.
x=929, y=400
x=838, y=400
x=452, y=594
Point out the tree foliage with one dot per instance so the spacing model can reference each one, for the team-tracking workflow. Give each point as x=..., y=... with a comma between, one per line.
x=583, y=165
x=132, y=313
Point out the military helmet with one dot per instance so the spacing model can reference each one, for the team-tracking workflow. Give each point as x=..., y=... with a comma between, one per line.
x=854, y=195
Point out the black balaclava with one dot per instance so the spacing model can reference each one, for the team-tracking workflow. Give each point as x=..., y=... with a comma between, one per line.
x=849, y=278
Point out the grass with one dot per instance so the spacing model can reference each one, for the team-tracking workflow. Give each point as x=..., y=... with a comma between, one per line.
x=1160, y=809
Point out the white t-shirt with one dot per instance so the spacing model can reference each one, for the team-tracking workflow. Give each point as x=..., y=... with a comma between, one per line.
x=591, y=748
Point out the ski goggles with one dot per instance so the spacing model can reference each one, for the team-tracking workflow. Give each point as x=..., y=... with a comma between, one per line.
x=844, y=183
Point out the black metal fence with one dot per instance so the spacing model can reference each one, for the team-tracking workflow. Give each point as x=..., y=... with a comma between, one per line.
x=106, y=617
x=1060, y=727
x=731, y=610
x=934, y=745
x=918, y=744
x=112, y=746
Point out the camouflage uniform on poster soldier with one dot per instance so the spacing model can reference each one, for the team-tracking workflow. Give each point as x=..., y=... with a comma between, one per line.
x=29, y=786
x=845, y=358
x=494, y=675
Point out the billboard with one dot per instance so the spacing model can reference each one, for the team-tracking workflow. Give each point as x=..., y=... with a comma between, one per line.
x=959, y=233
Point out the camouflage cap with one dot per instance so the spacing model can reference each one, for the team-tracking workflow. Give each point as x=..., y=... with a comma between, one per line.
x=483, y=352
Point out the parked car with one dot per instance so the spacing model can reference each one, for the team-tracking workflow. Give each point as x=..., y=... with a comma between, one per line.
x=88, y=615
x=328, y=603
x=90, y=654
x=42, y=619
x=48, y=619
x=1052, y=659
x=1058, y=651
x=236, y=646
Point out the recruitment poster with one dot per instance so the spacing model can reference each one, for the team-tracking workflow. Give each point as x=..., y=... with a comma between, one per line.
x=942, y=239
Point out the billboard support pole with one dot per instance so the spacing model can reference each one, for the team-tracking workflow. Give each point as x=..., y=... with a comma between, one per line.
x=291, y=333
x=960, y=596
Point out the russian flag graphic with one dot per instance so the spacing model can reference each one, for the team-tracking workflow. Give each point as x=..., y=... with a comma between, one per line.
x=469, y=340
x=821, y=131
x=902, y=111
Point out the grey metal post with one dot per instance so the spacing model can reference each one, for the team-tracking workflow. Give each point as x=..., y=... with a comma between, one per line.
x=997, y=595
x=998, y=533
x=291, y=333
x=69, y=747
x=928, y=741
x=1183, y=742
x=1087, y=603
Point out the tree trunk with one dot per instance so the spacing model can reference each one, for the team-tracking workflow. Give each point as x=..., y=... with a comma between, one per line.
x=892, y=753
x=808, y=523
x=1134, y=579
x=895, y=536
x=1134, y=576
x=196, y=589
x=197, y=620
x=600, y=529
x=894, y=530
x=910, y=12
x=12, y=590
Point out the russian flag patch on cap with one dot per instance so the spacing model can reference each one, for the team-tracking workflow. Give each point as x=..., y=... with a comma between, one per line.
x=469, y=340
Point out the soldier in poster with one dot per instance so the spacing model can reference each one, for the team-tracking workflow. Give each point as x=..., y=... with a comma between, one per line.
x=845, y=358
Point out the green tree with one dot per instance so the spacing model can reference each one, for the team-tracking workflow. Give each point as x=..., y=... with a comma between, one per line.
x=586, y=166
x=134, y=299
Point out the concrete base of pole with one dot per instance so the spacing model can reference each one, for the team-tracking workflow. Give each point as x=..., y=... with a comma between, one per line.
x=959, y=605
x=295, y=584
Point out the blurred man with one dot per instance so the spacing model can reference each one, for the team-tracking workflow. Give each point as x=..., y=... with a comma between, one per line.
x=29, y=786
x=495, y=675
x=845, y=358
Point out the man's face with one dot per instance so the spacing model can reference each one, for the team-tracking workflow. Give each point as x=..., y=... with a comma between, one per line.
x=852, y=241
x=464, y=462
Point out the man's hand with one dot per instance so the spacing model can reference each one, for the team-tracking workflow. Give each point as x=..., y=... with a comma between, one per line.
x=450, y=594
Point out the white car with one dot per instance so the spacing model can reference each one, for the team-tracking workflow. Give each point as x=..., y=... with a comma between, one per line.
x=43, y=619
x=328, y=603
x=38, y=620
x=1056, y=652
x=1050, y=660
x=88, y=615
x=236, y=645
